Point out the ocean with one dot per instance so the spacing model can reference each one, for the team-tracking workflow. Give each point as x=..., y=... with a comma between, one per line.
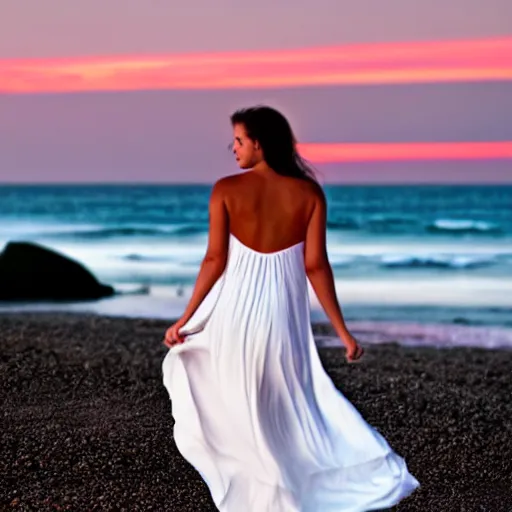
x=408, y=255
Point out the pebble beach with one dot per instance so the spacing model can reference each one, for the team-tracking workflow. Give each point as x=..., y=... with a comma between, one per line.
x=87, y=425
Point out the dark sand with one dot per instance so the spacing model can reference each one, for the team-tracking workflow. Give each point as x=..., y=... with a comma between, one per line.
x=86, y=421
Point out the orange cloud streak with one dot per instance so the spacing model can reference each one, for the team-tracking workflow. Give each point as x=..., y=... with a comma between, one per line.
x=413, y=62
x=369, y=152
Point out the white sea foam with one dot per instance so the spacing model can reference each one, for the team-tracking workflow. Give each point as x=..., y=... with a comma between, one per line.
x=463, y=226
x=453, y=261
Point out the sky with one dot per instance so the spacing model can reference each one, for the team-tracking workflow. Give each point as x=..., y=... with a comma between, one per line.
x=141, y=91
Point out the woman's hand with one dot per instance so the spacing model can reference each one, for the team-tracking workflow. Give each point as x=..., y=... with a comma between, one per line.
x=354, y=351
x=172, y=336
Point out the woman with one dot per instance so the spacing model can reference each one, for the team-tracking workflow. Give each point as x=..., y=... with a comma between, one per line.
x=255, y=412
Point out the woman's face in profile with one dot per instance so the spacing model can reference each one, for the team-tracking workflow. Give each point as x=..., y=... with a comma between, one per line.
x=243, y=148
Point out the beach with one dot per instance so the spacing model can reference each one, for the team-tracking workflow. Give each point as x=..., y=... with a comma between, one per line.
x=87, y=425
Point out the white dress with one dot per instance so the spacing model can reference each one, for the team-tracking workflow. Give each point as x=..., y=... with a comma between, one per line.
x=255, y=412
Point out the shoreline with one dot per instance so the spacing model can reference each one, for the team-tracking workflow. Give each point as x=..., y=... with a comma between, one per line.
x=379, y=329
x=88, y=425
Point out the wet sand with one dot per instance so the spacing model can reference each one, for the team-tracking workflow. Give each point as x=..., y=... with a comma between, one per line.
x=86, y=421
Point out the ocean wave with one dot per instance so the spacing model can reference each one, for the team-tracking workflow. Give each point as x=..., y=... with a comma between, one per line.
x=146, y=258
x=181, y=260
x=390, y=224
x=102, y=233
x=341, y=261
x=375, y=223
x=453, y=226
x=190, y=230
x=120, y=231
x=344, y=261
x=436, y=261
x=342, y=224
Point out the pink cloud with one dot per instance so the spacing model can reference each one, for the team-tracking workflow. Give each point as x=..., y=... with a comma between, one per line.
x=382, y=63
x=379, y=152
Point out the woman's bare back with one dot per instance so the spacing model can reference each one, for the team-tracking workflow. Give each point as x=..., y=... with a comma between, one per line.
x=269, y=212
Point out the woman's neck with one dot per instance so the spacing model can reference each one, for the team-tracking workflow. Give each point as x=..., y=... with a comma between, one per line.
x=263, y=169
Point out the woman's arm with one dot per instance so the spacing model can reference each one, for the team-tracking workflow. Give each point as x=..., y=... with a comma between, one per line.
x=318, y=268
x=215, y=260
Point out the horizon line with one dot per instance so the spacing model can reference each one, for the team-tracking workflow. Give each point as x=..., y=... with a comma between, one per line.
x=211, y=183
x=318, y=174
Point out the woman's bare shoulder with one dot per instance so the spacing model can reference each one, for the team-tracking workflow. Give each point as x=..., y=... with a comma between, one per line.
x=312, y=190
x=226, y=184
x=236, y=183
